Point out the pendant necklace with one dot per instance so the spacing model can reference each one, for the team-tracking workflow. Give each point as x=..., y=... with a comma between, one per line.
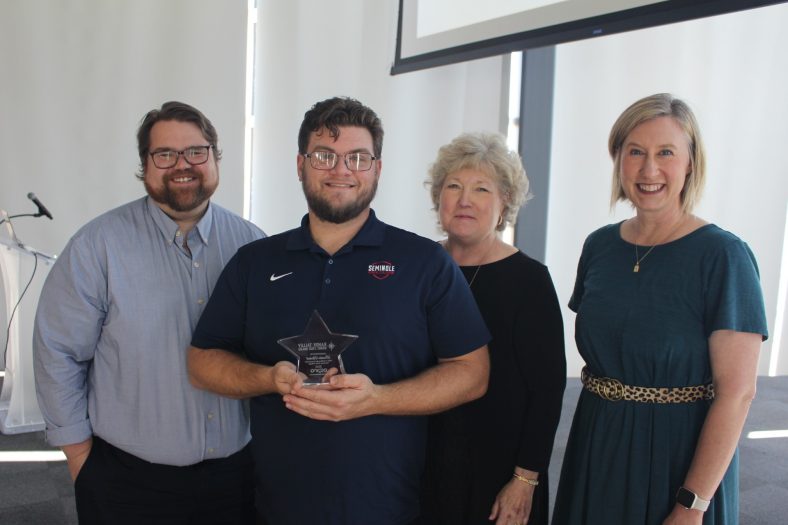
x=470, y=283
x=639, y=260
x=481, y=263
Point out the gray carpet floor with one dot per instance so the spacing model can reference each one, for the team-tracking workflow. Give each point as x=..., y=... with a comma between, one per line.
x=42, y=494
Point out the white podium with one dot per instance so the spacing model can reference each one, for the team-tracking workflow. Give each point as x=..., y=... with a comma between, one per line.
x=19, y=410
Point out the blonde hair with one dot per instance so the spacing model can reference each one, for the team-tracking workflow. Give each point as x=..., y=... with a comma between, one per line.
x=486, y=152
x=648, y=108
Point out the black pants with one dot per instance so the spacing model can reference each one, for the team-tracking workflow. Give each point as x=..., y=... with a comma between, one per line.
x=117, y=488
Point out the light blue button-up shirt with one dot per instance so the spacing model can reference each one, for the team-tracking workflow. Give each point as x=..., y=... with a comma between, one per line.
x=113, y=326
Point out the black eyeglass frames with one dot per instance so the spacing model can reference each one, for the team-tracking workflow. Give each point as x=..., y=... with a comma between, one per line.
x=194, y=155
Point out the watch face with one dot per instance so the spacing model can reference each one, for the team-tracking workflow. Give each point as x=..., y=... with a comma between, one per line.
x=685, y=498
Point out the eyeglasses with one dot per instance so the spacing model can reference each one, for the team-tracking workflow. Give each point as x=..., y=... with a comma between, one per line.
x=194, y=155
x=326, y=160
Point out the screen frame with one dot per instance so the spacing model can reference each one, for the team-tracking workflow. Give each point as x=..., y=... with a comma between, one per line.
x=652, y=15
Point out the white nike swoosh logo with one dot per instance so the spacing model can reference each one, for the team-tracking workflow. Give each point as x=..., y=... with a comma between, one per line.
x=275, y=277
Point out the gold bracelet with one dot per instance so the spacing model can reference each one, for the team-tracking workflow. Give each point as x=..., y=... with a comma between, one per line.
x=532, y=482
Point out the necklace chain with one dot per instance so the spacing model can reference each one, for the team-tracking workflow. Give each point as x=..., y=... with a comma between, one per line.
x=470, y=283
x=481, y=263
x=638, y=260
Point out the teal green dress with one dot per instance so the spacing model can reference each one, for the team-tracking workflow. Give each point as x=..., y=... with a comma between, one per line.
x=625, y=460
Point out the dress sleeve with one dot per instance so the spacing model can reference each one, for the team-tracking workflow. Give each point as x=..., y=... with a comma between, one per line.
x=577, y=292
x=71, y=312
x=539, y=349
x=733, y=295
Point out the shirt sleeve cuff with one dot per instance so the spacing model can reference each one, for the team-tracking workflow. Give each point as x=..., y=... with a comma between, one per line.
x=76, y=433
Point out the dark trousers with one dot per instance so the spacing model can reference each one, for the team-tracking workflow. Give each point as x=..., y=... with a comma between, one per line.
x=117, y=488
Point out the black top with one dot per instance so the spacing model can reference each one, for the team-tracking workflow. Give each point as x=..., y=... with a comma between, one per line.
x=474, y=448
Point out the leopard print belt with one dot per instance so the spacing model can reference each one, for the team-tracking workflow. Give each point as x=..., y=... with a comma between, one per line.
x=614, y=390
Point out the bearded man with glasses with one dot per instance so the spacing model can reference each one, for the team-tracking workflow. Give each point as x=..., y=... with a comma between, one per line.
x=349, y=451
x=114, y=322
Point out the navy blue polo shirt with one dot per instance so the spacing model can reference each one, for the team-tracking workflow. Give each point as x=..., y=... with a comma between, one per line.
x=409, y=305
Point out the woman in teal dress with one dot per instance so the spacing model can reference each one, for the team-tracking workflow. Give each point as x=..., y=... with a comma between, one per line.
x=670, y=320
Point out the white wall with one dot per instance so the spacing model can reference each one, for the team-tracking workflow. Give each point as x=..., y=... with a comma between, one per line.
x=76, y=77
x=733, y=71
x=309, y=51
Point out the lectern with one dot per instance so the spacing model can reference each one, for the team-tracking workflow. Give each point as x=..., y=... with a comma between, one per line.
x=19, y=265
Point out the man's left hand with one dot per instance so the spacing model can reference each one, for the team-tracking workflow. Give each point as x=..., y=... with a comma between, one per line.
x=350, y=396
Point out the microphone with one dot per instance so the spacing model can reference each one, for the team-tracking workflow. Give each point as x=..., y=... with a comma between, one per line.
x=42, y=210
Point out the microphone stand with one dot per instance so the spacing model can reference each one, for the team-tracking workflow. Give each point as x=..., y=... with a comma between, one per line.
x=19, y=410
x=8, y=218
x=5, y=218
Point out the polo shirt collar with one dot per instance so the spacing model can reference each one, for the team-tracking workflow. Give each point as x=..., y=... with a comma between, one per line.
x=169, y=228
x=370, y=234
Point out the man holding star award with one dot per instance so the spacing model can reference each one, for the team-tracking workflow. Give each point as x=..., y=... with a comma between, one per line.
x=344, y=285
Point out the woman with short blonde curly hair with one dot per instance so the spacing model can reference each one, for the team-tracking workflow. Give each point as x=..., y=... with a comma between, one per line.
x=485, y=152
x=488, y=459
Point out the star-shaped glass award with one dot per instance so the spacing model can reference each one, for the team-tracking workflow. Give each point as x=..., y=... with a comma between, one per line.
x=317, y=349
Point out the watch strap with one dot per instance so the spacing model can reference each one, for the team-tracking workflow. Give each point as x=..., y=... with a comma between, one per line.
x=689, y=500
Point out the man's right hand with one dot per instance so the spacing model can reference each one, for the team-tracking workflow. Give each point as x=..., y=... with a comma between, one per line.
x=76, y=454
x=285, y=377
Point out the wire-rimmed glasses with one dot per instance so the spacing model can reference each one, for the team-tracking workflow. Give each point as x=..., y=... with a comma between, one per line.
x=326, y=160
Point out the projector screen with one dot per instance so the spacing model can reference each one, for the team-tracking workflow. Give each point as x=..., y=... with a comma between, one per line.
x=438, y=32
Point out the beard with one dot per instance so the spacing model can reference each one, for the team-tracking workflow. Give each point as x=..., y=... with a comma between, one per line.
x=181, y=199
x=328, y=212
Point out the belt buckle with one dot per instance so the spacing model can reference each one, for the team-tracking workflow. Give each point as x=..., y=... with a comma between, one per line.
x=611, y=389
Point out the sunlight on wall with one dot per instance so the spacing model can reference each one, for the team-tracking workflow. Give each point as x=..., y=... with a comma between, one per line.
x=513, y=128
x=20, y=456
x=251, y=28
x=779, y=315
x=765, y=434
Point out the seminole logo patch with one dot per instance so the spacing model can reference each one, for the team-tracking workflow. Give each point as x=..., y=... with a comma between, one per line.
x=381, y=270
